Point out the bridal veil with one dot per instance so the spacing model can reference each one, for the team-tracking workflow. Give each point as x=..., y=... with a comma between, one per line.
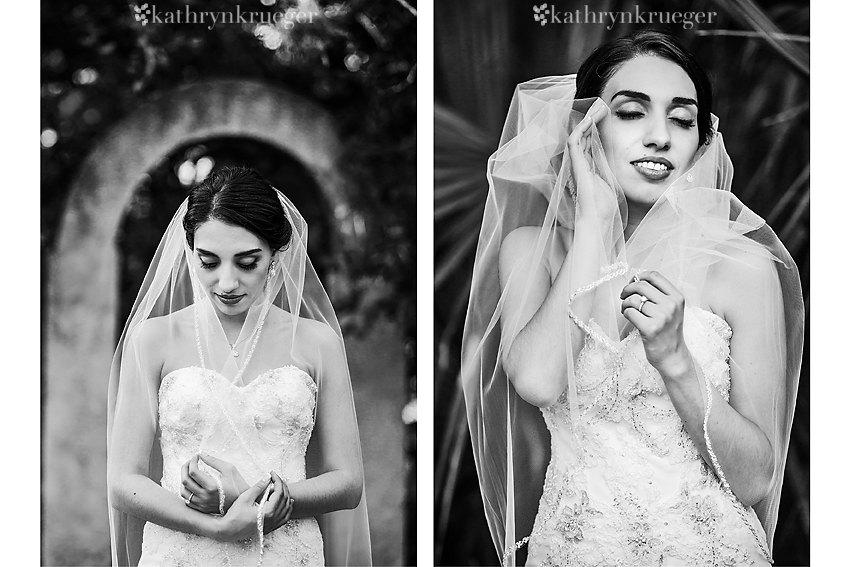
x=173, y=303
x=696, y=225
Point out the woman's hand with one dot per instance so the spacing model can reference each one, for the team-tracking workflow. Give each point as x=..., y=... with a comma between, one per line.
x=656, y=308
x=201, y=489
x=594, y=197
x=240, y=522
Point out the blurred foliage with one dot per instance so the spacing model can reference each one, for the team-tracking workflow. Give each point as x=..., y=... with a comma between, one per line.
x=356, y=59
x=761, y=95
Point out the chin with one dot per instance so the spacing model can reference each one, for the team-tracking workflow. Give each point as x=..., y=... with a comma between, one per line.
x=644, y=193
x=231, y=310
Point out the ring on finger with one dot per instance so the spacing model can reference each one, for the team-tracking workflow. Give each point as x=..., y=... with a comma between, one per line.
x=643, y=300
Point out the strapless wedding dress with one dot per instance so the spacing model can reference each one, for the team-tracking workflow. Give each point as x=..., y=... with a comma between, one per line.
x=630, y=488
x=263, y=426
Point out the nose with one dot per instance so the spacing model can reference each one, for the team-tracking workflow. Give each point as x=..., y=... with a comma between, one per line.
x=658, y=133
x=228, y=281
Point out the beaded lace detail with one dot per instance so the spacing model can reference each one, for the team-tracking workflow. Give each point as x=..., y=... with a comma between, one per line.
x=273, y=415
x=626, y=485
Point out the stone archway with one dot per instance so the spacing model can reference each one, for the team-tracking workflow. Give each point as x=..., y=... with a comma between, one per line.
x=82, y=292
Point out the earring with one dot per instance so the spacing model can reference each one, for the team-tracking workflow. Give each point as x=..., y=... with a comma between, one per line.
x=272, y=269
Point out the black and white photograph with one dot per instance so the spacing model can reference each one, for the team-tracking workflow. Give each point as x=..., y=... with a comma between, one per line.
x=461, y=283
x=228, y=291
x=621, y=197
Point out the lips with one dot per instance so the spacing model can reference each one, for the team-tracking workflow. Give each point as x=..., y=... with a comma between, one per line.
x=229, y=299
x=653, y=168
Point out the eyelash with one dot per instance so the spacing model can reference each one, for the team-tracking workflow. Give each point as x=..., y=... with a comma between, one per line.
x=634, y=115
x=211, y=265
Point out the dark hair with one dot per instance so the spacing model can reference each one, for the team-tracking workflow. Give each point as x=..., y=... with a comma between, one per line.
x=238, y=196
x=607, y=59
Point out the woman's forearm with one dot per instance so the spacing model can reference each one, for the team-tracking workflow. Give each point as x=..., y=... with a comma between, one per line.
x=139, y=496
x=538, y=358
x=327, y=492
x=743, y=451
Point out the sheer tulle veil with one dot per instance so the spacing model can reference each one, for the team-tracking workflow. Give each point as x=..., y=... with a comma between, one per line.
x=293, y=323
x=695, y=226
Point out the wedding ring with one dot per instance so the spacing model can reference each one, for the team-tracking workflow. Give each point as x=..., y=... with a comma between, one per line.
x=643, y=300
x=189, y=500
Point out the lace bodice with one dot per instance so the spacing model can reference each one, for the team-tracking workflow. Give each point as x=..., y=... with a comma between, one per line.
x=265, y=425
x=262, y=426
x=627, y=486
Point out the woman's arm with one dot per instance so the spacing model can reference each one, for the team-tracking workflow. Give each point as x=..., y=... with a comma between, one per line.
x=740, y=430
x=335, y=444
x=536, y=358
x=134, y=427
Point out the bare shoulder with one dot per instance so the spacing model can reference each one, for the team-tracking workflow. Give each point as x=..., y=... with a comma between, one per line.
x=317, y=331
x=520, y=242
x=316, y=343
x=151, y=333
x=739, y=279
x=312, y=337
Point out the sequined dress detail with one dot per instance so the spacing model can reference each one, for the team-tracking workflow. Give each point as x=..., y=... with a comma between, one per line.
x=630, y=488
x=262, y=426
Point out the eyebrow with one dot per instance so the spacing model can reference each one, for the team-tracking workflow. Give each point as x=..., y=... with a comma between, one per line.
x=645, y=97
x=238, y=254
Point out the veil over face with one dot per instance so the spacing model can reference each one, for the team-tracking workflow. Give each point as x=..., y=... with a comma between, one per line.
x=694, y=227
x=174, y=325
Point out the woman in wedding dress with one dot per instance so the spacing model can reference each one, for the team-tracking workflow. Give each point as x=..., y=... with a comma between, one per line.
x=657, y=323
x=232, y=433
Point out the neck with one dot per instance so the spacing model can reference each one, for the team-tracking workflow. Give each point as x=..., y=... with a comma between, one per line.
x=636, y=214
x=232, y=324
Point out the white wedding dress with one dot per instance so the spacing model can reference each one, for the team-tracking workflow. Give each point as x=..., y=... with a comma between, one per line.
x=263, y=426
x=630, y=488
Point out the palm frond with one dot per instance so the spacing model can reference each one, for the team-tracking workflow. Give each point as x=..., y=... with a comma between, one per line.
x=754, y=17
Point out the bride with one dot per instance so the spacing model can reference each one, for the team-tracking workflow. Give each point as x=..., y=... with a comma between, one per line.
x=232, y=438
x=656, y=322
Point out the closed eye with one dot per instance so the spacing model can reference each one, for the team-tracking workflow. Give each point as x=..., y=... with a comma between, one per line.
x=628, y=115
x=684, y=123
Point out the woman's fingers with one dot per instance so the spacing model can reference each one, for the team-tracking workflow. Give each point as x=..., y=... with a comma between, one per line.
x=580, y=135
x=206, y=504
x=201, y=496
x=187, y=480
x=199, y=477
x=653, y=305
x=279, y=506
x=640, y=303
x=287, y=511
x=276, y=499
x=598, y=110
x=278, y=482
x=254, y=492
x=280, y=497
x=659, y=282
x=645, y=289
x=216, y=463
x=593, y=196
